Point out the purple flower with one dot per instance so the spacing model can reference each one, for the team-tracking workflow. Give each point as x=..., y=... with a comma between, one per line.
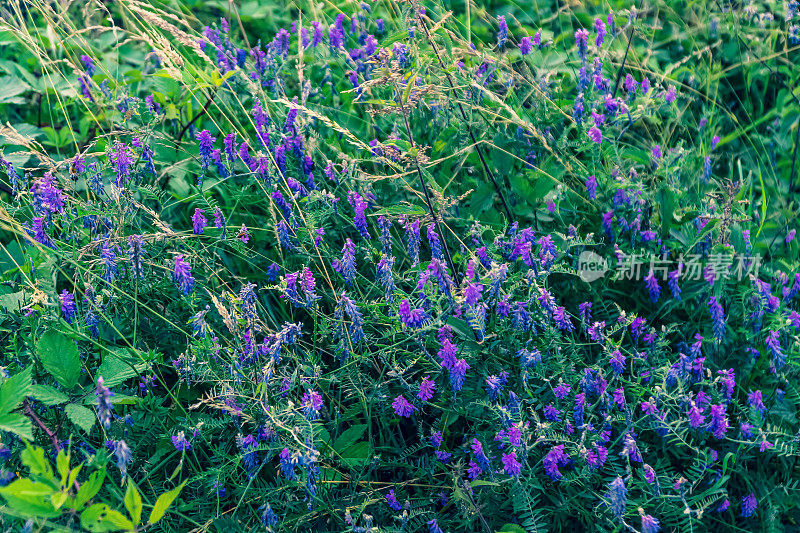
x=591, y=187
x=360, y=208
x=182, y=274
x=749, y=504
x=555, y=458
x=104, y=405
x=671, y=94
x=457, y=374
x=595, y=134
x=312, y=404
x=718, y=425
x=582, y=42
x=649, y=524
x=754, y=400
x=180, y=442
x=402, y=407
x=511, y=466
x=122, y=454
x=617, y=362
x=68, y=307
x=652, y=286
x=502, y=32
x=391, y=499
x=790, y=236
x=600, y=28
x=563, y=322
x=525, y=46
x=696, y=418
x=551, y=413
x=206, y=144
x=347, y=266
x=122, y=157
x=718, y=318
x=426, y=389
x=411, y=318
x=433, y=526
x=773, y=344
x=617, y=497
x=199, y=221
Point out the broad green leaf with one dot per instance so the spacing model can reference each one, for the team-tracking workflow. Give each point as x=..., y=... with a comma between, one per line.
x=349, y=437
x=48, y=395
x=100, y=517
x=30, y=498
x=163, y=502
x=80, y=416
x=33, y=457
x=13, y=390
x=89, y=488
x=59, y=356
x=511, y=528
x=133, y=502
x=10, y=88
x=115, y=370
x=17, y=424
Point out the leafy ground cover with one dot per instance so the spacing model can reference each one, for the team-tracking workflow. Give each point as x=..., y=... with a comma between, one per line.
x=399, y=266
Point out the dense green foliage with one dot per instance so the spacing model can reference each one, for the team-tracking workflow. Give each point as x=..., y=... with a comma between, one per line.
x=399, y=266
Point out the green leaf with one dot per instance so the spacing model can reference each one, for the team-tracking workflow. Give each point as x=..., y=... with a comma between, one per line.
x=89, y=488
x=163, y=502
x=48, y=395
x=357, y=454
x=115, y=370
x=14, y=390
x=133, y=502
x=33, y=457
x=80, y=416
x=59, y=355
x=17, y=424
x=349, y=437
x=30, y=498
x=100, y=517
x=10, y=87
x=511, y=528
x=411, y=210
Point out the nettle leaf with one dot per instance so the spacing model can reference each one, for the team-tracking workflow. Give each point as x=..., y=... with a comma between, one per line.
x=48, y=395
x=59, y=356
x=115, y=370
x=10, y=88
x=80, y=416
x=17, y=424
x=13, y=390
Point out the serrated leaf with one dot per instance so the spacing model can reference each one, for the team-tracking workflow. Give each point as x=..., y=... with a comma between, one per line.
x=13, y=390
x=115, y=370
x=10, y=88
x=59, y=356
x=163, y=502
x=48, y=395
x=80, y=416
x=17, y=424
